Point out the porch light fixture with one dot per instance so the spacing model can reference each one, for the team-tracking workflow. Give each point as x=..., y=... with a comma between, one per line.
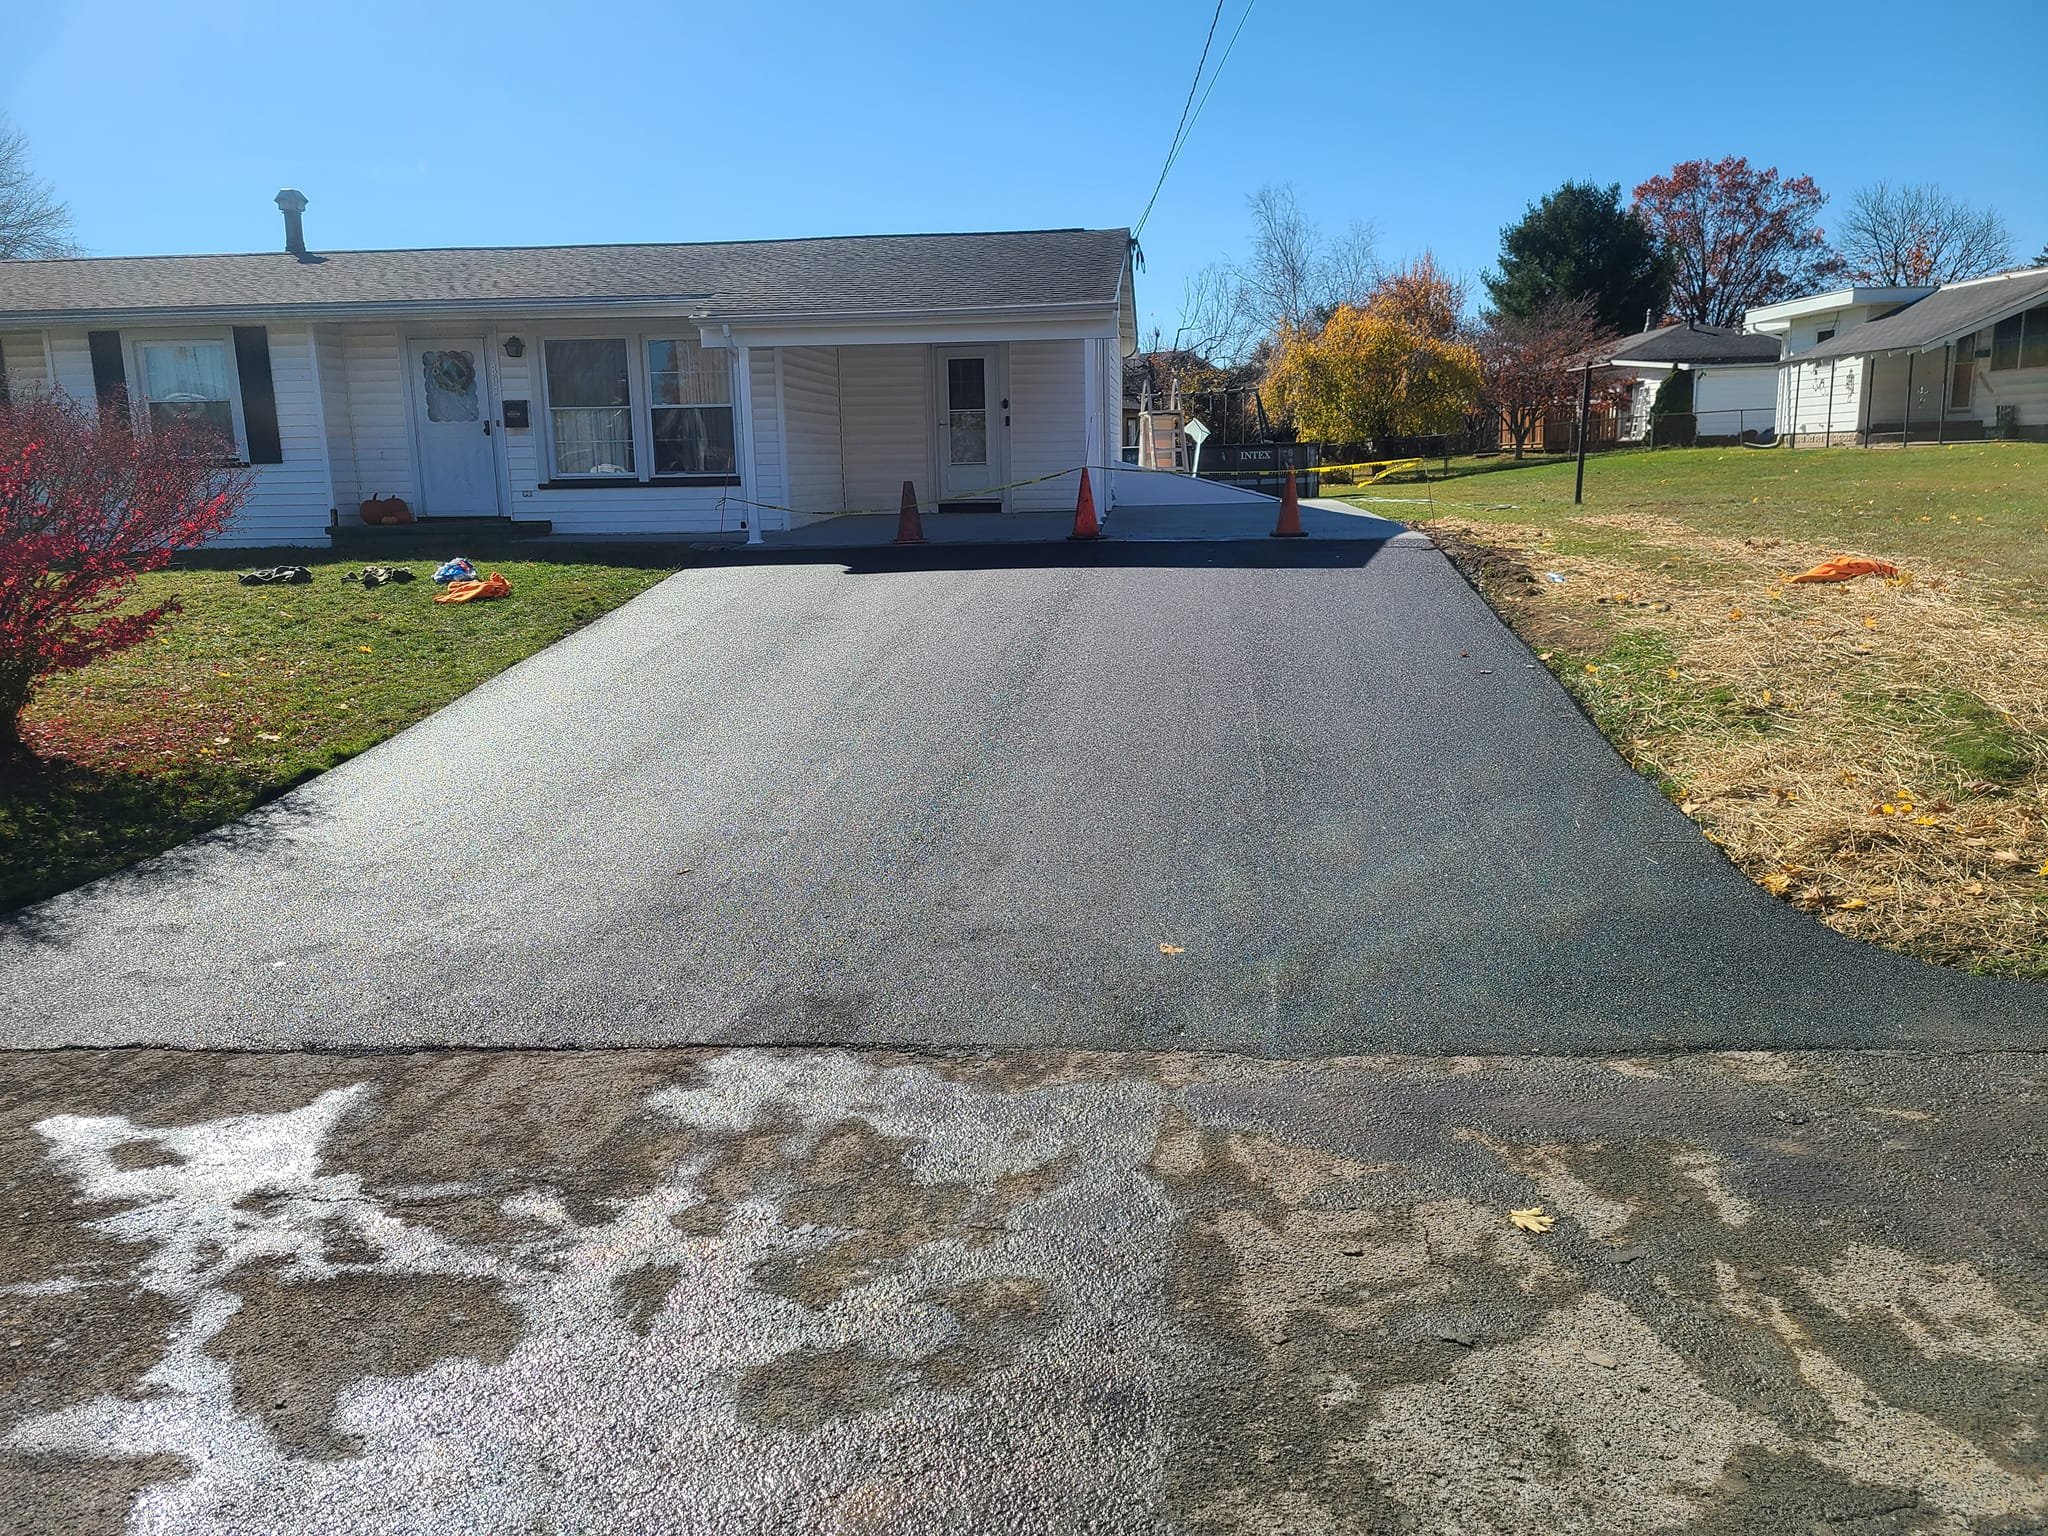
x=514, y=347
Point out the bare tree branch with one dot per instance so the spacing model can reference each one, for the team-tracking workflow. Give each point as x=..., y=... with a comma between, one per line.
x=1294, y=278
x=1918, y=235
x=33, y=223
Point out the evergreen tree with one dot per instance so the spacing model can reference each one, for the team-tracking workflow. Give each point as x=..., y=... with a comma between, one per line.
x=1581, y=242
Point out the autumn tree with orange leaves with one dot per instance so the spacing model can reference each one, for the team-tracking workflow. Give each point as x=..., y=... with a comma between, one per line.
x=1396, y=366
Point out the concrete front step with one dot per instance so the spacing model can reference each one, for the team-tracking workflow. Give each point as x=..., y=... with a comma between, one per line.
x=434, y=532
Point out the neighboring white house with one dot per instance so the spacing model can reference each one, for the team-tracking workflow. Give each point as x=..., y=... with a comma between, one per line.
x=660, y=389
x=1964, y=360
x=1734, y=379
x=1802, y=324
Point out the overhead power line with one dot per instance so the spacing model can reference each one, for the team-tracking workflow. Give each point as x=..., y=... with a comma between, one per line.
x=1188, y=118
x=1187, y=106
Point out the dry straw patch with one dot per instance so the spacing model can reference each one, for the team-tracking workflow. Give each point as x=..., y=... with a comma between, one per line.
x=1875, y=752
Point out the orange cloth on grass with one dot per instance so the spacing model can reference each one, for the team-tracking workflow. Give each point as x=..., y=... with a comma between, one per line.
x=1847, y=568
x=491, y=586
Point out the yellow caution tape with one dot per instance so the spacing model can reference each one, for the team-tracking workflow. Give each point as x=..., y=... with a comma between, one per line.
x=1380, y=469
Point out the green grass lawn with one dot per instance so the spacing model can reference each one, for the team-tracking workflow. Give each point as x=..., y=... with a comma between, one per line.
x=1980, y=505
x=251, y=690
x=1876, y=752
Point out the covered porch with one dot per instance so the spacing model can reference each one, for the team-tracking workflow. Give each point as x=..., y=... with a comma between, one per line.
x=658, y=425
x=985, y=427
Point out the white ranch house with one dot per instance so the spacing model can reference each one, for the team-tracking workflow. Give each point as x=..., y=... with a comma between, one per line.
x=1734, y=377
x=634, y=389
x=1964, y=360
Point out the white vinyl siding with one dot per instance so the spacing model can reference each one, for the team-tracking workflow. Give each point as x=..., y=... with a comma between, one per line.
x=373, y=364
x=518, y=379
x=887, y=424
x=289, y=502
x=810, y=415
x=765, y=484
x=334, y=406
x=71, y=362
x=2024, y=389
x=21, y=354
x=1731, y=401
x=1109, y=377
x=1047, y=422
x=1809, y=392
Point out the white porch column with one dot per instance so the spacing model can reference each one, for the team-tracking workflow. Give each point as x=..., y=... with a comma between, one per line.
x=743, y=450
x=1091, y=417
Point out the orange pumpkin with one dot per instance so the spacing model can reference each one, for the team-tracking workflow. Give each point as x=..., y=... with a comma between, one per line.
x=389, y=510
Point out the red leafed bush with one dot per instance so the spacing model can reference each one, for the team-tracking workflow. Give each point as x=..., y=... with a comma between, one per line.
x=86, y=506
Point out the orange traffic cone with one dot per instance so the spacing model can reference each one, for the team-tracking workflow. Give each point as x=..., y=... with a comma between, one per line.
x=909, y=525
x=1289, y=526
x=1085, y=525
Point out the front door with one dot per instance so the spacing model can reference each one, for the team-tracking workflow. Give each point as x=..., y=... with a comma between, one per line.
x=451, y=403
x=970, y=426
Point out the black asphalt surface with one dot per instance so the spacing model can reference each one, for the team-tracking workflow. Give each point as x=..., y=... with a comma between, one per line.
x=963, y=798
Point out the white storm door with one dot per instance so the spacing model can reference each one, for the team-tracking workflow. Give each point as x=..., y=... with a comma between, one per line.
x=970, y=425
x=451, y=409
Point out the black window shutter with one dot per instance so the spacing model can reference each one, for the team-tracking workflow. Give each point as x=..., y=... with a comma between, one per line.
x=109, y=373
x=259, y=395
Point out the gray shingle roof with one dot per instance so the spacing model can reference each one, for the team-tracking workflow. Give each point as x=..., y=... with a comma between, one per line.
x=1688, y=342
x=855, y=274
x=1941, y=317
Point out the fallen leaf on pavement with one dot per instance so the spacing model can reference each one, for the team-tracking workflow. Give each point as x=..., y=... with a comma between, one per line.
x=1532, y=1219
x=1776, y=884
x=1172, y=949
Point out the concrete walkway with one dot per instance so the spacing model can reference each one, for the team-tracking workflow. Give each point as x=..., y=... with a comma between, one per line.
x=761, y=1293
x=1246, y=519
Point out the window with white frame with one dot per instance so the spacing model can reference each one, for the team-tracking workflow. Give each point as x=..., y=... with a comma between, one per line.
x=689, y=396
x=590, y=406
x=639, y=408
x=188, y=381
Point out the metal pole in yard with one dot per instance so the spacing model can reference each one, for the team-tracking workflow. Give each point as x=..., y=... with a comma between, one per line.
x=1830, y=432
x=1947, y=376
x=1585, y=406
x=1797, y=376
x=1906, y=416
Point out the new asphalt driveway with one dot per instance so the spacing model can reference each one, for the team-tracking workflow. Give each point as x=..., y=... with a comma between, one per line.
x=1268, y=798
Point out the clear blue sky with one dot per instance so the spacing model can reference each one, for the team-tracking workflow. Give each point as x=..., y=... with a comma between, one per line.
x=437, y=122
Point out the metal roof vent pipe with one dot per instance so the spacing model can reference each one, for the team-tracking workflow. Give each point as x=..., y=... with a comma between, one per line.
x=292, y=204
